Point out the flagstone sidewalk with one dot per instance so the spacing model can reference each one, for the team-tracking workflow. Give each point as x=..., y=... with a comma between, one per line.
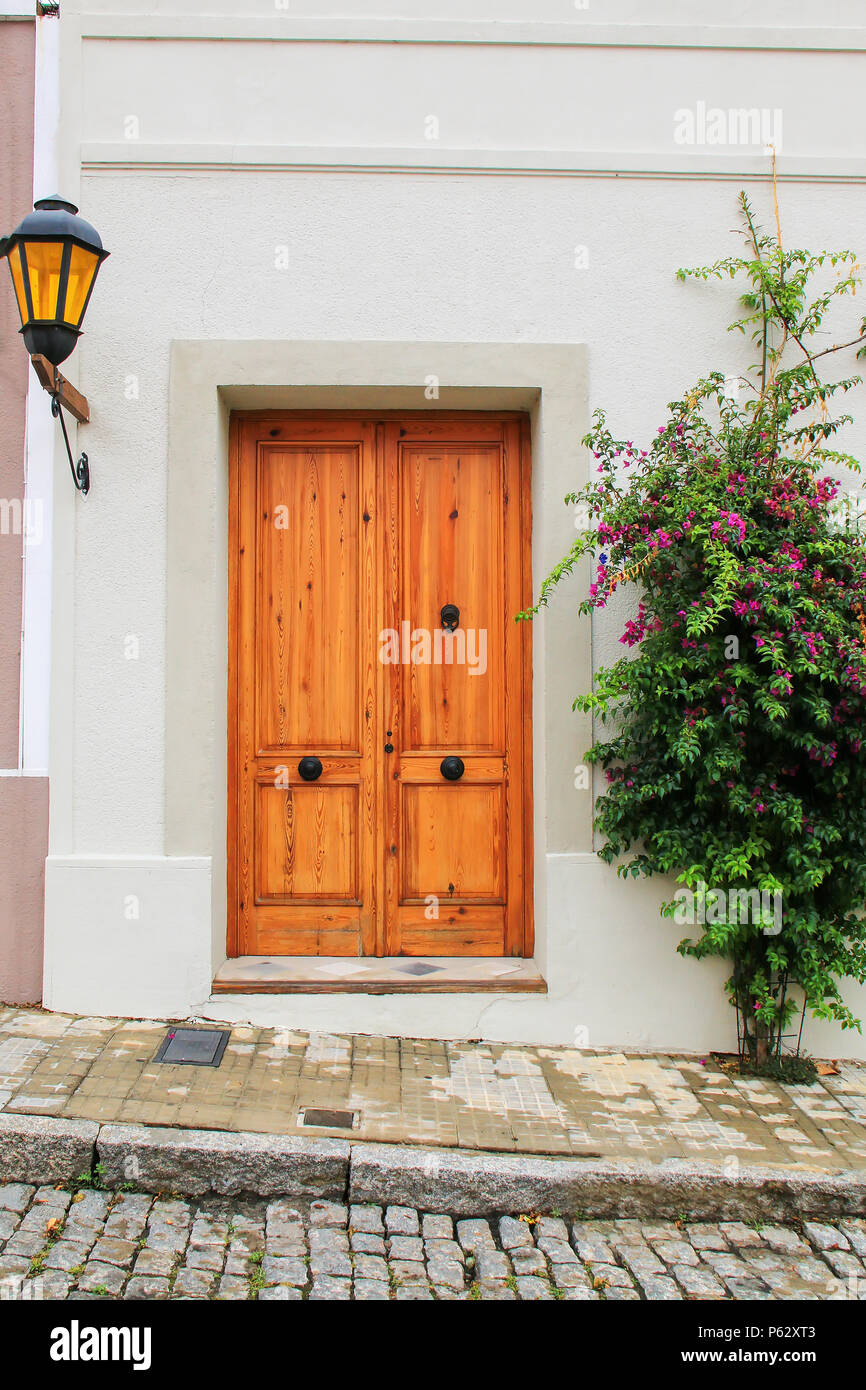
x=477, y=1095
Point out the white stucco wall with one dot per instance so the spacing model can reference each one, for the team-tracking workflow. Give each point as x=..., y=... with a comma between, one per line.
x=263, y=142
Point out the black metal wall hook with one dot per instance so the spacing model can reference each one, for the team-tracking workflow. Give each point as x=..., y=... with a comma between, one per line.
x=81, y=470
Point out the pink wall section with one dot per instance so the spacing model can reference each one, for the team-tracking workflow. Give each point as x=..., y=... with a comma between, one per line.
x=23, y=800
x=23, y=847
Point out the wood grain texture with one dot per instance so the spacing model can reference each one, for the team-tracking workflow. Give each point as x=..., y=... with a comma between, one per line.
x=304, y=579
x=453, y=838
x=52, y=380
x=306, y=840
x=455, y=536
x=427, y=984
x=307, y=606
x=344, y=530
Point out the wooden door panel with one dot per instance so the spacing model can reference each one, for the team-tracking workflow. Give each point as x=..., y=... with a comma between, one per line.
x=302, y=853
x=458, y=536
x=451, y=504
x=307, y=603
x=456, y=931
x=307, y=838
x=309, y=931
x=427, y=768
x=453, y=838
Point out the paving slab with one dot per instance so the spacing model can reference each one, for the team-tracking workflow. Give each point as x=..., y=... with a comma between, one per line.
x=556, y=1122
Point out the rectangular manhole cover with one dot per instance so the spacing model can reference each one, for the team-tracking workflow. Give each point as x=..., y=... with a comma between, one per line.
x=328, y=1119
x=193, y=1047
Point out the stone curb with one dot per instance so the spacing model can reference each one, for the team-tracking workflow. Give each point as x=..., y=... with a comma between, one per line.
x=39, y=1149
x=471, y=1183
x=192, y=1162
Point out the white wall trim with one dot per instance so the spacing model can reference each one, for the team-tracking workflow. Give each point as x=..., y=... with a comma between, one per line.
x=287, y=28
x=123, y=934
x=115, y=156
x=35, y=680
x=207, y=380
x=128, y=861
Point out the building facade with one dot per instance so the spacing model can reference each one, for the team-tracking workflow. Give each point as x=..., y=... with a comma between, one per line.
x=23, y=554
x=372, y=268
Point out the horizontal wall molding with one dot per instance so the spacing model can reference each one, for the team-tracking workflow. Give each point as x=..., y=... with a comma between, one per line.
x=291, y=29
x=133, y=862
x=130, y=156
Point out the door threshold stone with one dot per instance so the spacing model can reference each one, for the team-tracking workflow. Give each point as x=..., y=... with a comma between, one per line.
x=379, y=975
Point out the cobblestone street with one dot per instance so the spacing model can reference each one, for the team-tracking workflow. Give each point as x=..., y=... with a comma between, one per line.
x=94, y=1244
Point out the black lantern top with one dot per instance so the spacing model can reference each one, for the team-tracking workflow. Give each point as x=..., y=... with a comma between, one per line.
x=54, y=256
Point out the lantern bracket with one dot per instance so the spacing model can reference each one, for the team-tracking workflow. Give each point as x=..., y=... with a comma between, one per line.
x=63, y=393
x=52, y=380
x=81, y=469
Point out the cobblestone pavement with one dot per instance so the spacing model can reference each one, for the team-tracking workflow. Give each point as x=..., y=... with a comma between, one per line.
x=493, y=1096
x=94, y=1244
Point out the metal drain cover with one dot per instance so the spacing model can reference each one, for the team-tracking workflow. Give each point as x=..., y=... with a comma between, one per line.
x=193, y=1047
x=328, y=1119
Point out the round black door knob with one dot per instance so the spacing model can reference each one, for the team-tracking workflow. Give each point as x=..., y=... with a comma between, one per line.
x=310, y=769
x=452, y=769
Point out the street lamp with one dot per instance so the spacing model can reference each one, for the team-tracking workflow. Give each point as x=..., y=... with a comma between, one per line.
x=54, y=257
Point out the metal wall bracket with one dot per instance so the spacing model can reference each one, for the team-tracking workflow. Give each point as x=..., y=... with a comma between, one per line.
x=62, y=394
x=80, y=470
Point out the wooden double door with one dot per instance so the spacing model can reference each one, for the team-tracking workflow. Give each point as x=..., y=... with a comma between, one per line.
x=379, y=686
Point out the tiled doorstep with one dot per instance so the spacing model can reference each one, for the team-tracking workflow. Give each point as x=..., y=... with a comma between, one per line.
x=378, y=975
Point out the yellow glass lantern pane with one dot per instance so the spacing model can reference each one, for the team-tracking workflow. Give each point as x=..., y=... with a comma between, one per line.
x=18, y=281
x=44, y=259
x=82, y=268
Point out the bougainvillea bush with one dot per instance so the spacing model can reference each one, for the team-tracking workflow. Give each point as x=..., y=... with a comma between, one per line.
x=734, y=741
